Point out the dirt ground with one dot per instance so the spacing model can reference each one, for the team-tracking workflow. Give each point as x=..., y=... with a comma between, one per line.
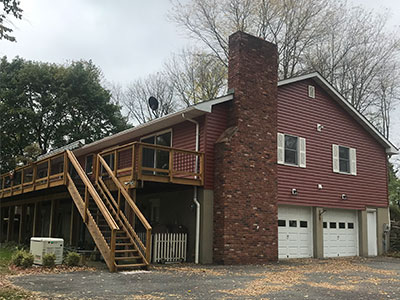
x=348, y=278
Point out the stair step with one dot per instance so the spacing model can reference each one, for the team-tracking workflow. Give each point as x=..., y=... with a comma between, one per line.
x=127, y=257
x=126, y=251
x=123, y=244
x=130, y=266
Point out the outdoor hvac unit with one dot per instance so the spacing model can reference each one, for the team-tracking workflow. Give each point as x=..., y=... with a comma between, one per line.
x=41, y=246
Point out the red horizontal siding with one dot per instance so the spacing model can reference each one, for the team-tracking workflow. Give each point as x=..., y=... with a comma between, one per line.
x=215, y=125
x=298, y=115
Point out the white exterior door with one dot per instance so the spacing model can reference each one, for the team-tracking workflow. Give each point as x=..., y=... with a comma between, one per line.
x=340, y=229
x=294, y=232
x=371, y=231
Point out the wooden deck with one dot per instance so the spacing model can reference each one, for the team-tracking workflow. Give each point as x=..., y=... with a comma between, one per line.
x=131, y=164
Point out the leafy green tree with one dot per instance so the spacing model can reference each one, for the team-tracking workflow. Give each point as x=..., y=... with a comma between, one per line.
x=8, y=8
x=394, y=192
x=52, y=105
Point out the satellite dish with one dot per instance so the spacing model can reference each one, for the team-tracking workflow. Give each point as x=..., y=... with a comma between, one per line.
x=153, y=103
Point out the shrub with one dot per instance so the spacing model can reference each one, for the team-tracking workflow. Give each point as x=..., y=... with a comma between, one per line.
x=17, y=258
x=49, y=260
x=22, y=258
x=27, y=261
x=72, y=259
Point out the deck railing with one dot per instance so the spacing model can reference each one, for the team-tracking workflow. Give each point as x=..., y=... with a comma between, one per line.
x=39, y=175
x=141, y=161
x=130, y=163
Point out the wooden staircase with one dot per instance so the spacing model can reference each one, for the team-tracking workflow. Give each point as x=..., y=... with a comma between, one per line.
x=104, y=216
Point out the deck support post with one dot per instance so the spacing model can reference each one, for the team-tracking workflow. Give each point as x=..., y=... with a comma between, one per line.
x=2, y=216
x=53, y=213
x=74, y=226
x=22, y=225
x=36, y=219
x=10, y=225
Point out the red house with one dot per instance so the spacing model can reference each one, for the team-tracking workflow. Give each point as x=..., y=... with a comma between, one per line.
x=272, y=170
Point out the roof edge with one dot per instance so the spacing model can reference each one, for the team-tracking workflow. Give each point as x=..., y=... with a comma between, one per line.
x=390, y=148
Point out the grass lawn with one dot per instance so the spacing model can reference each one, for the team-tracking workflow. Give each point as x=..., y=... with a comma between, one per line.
x=7, y=292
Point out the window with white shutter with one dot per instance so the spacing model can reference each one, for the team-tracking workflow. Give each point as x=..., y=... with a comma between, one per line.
x=291, y=150
x=344, y=160
x=335, y=158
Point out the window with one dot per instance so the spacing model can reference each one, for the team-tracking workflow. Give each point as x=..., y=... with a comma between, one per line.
x=282, y=223
x=311, y=91
x=291, y=150
x=342, y=225
x=325, y=225
x=332, y=225
x=350, y=225
x=303, y=224
x=109, y=158
x=155, y=158
x=344, y=160
x=89, y=164
x=292, y=223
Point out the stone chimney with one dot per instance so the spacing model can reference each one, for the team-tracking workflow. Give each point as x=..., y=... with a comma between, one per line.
x=245, y=194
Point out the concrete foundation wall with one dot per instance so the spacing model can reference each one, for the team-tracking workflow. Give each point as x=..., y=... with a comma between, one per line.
x=206, y=199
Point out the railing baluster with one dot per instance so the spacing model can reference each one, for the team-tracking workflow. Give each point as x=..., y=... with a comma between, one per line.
x=119, y=201
x=86, y=204
x=112, y=247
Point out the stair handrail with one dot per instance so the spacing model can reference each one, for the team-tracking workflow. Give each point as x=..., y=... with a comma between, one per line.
x=128, y=199
x=91, y=190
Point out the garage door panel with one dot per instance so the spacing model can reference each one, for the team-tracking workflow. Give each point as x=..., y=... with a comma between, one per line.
x=294, y=232
x=340, y=233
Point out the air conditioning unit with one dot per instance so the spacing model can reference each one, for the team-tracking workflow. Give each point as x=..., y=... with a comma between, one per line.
x=41, y=246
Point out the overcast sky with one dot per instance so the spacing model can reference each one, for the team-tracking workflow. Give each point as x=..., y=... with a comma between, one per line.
x=127, y=39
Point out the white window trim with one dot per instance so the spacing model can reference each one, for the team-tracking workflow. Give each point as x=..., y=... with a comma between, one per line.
x=352, y=160
x=300, y=140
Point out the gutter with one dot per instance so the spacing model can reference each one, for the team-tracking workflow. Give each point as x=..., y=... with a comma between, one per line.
x=195, y=193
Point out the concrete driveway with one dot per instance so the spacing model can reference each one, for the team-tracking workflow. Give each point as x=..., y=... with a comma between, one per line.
x=349, y=278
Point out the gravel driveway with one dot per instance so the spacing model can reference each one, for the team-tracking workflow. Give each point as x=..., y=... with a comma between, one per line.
x=350, y=278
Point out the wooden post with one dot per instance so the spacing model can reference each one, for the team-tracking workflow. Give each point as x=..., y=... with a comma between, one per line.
x=112, y=247
x=133, y=177
x=22, y=180
x=115, y=163
x=34, y=166
x=10, y=225
x=119, y=201
x=48, y=172
x=65, y=168
x=171, y=164
x=22, y=225
x=86, y=204
x=53, y=212
x=74, y=226
x=2, y=216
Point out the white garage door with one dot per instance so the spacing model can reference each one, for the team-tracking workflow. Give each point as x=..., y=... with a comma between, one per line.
x=294, y=232
x=340, y=233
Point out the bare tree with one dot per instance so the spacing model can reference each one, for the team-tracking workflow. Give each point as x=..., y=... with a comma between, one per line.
x=135, y=98
x=351, y=47
x=195, y=76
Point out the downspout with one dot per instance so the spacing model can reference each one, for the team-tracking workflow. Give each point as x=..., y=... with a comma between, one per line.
x=195, y=198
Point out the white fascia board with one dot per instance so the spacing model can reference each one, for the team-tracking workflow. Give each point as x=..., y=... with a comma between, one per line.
x=390, y=148
x=153, y=125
